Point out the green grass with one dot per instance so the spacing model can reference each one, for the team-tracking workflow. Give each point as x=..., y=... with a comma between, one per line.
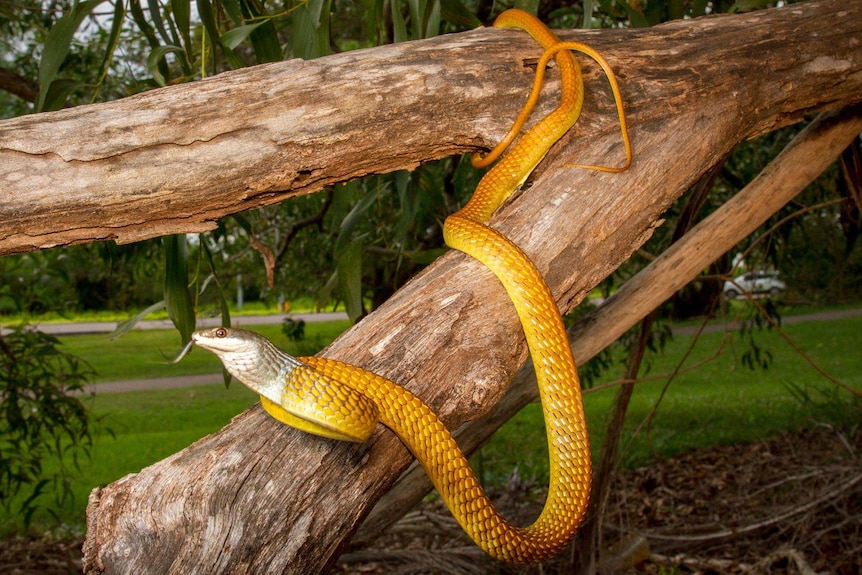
x=719, y=403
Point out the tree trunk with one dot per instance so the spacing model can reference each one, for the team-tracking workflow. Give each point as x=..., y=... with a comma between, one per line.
x=260, y=497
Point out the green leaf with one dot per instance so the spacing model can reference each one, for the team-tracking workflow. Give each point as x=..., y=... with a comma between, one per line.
x=356, y=215
x=155, y=58
x=116, y=27
x=125, y=327
x=57, y=93
x=178, y=300
x=224, y=307
x=236, y=36
x=455, y=11
x=349, y=269
x=158, y=22
x=267, y=47
x=57, y=47
x=205, y=11
x=698, y=7
x=532, y=6
x=233, y=11
x=182, y=18
x=399, y=28
x=310, y=37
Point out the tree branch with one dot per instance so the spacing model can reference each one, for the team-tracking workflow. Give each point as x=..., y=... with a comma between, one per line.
x=143, y=166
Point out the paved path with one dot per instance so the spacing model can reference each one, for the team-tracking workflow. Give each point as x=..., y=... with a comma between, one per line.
x=216, y=378
x=90, y=327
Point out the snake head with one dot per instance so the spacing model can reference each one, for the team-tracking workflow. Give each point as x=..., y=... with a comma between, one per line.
x=249, y=357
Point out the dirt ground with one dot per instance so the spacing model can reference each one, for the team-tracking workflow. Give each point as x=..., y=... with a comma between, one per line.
x=791, y=504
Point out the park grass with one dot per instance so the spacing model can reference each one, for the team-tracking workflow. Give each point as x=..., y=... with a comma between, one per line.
x=721, y=402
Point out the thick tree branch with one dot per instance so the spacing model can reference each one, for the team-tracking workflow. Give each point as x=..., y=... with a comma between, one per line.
x=177, y=159
x=17, y=84
x=260, y=497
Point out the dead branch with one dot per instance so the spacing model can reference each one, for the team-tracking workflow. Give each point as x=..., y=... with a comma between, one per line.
x=177, y=159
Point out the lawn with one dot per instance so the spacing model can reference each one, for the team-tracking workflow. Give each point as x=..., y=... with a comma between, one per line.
x=720, y=402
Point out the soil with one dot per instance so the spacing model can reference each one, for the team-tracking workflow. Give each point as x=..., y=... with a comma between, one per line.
x=790, y=504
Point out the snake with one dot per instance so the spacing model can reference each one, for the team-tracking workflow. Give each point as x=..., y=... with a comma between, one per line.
x=341, y=401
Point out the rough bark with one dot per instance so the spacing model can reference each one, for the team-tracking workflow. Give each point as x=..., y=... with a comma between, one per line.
x=259, y=497
x=176, y=159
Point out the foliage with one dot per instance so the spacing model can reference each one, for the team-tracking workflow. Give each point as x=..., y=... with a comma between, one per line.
x=293, y=329
x=82, y=278
x=41, y=419
x=360, y=241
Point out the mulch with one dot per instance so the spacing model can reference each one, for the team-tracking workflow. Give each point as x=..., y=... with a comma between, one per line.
x=791, y=504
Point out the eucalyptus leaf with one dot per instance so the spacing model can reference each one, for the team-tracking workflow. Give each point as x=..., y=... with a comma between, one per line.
x=156, y=57
x=349, y=269
x=57, y=93
x=125, y=327
x=113, y=37
x=532, y=6
x=267, y=47
x=57, y=45
x=353, y=218
x=455, y=11
x=236, y=36
x=310, y=37
x=205, y=11
x=182, y=17
x=178, y=300
x=158, y=22
x=233, y=11
x=399, y=27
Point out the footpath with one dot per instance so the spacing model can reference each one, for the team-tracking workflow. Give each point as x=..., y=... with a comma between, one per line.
x=247, y=321
x=99, y=327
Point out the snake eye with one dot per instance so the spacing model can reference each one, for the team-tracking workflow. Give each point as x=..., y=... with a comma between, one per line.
x=221, y=332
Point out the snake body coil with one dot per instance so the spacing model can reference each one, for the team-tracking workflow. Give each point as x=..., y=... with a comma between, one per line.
x=338, y=400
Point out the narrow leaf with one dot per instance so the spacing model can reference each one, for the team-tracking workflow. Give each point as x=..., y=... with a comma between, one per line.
x=456, y=12
x=233, y=11
x=158, y=22
x=57, y=47
x=178, y=300
x=311, y=30
x=125, y=327
x=205, y=11
x=399, y=28
x=57, y=93
x=154, y=59
x=182, y=18
x=236, y=36
x=349, y=268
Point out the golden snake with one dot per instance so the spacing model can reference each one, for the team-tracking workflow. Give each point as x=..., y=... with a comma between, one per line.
x=337, y=400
